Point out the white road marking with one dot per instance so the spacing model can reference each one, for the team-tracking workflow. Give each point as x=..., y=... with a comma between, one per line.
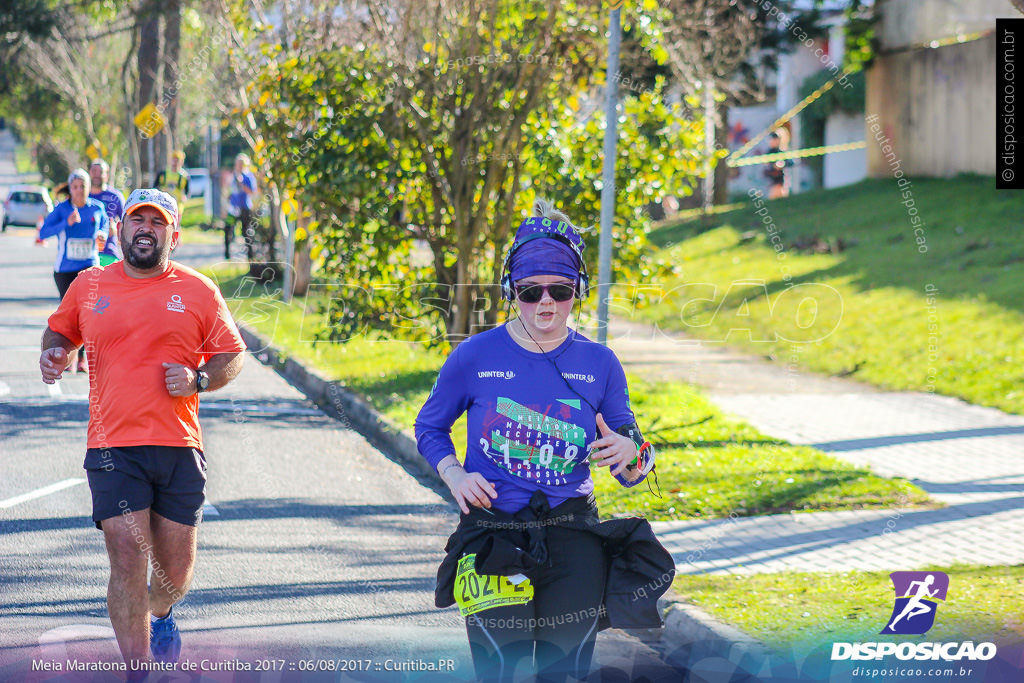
x=4, y=389
x=39, y=493
x=53, y=643
x=54, y=388
x=62, y=634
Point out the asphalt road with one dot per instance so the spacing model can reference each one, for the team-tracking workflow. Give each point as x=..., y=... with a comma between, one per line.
x=316, y=549
x=314, y=538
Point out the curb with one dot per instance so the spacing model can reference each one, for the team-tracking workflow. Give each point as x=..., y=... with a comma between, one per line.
x=350, y=409
x=691, y=630
x=690, y=634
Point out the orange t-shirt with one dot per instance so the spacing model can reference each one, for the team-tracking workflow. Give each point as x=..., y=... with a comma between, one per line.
x=130, y=327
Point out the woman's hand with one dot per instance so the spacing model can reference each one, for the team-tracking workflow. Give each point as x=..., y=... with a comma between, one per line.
x=468, y=488
x=613, y=449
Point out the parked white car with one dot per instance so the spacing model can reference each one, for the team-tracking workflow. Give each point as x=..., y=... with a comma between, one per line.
x=26, y=204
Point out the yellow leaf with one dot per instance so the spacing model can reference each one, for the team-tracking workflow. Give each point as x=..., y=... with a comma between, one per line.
x=428, y=47
x=264, y=96
x=300, y=234
x=289, y=206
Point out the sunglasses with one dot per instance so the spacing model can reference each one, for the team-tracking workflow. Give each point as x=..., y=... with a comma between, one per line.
x=531, y=294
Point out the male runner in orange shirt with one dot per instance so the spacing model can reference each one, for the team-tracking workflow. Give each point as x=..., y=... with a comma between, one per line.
x=157, y=334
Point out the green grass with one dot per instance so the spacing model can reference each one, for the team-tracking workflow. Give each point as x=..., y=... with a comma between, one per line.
x=710, y=465
x=868, y=316
x=193, y=216
x=23, y=160
x=805, y=610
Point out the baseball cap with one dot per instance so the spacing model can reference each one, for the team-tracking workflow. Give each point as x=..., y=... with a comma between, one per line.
x=161, y=201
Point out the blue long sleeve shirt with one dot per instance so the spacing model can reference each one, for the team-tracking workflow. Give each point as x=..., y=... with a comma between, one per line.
x=530, y=418
x=239, y=198
x=113, y=200
x=76, y=244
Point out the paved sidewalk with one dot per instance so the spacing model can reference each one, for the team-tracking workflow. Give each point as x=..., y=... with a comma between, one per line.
x=968, y=458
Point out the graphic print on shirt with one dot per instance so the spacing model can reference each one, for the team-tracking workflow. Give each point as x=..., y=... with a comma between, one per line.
x=532, y=445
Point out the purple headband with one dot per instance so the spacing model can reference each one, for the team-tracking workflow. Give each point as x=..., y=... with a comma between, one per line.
x=544, y=257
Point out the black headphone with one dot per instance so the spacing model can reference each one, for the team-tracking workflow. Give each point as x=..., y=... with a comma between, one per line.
x=551, y=229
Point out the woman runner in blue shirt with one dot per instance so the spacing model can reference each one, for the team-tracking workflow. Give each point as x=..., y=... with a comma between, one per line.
x=545, y=406
x=81, y=226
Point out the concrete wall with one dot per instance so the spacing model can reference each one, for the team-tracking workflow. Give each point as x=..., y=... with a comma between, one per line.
x=936, y=107
x=844, y=168
x=909, y=23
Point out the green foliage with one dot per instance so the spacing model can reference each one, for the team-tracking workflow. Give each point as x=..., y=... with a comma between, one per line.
x=860, y=34
x=415, y=170
x=72, y=101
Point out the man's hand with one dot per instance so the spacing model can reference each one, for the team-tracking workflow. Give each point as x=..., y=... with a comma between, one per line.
x=613, y=449
x=180, y=380
x=52, y=363
x=74, y=217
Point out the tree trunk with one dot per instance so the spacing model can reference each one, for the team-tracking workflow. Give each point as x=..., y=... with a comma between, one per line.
x=149, y=68
x=465, y=274
x=129, y=98
x=303, y=263
x=172, y=57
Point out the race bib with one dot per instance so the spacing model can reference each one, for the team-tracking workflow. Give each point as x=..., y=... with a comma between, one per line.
x=477, y=592
x=80, y=249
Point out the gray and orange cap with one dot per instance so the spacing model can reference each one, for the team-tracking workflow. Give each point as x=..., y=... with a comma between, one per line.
x=161, y=201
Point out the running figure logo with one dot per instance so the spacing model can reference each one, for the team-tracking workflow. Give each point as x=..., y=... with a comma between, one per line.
x=917, y=594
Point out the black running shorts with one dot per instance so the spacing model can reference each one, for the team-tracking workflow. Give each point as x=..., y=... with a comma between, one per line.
x=170, y=480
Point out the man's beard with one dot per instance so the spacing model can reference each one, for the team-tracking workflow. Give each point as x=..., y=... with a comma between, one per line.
x=158, y=255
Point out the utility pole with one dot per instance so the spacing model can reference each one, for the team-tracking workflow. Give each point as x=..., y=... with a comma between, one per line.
x=604, y=254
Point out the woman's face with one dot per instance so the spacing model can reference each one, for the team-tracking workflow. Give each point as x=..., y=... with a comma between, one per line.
x=78, y=191
x=546, y=318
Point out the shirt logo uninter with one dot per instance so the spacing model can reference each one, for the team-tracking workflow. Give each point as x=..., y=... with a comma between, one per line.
x=500, y=374
x=589, y=379
x=175, y=304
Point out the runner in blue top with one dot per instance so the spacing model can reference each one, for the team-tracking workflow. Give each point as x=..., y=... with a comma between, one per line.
x=99, y=173
x=243, y=187
x=77, y=223
x=81, y=226
x=547, y=408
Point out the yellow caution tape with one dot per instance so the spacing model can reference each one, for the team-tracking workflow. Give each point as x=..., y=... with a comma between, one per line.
x=790, y=114
x=795, y=154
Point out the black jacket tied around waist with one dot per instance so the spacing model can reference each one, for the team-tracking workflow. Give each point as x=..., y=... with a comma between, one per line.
x=640, y=569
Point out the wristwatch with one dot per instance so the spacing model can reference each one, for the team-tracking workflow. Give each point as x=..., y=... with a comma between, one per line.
x=202, y=381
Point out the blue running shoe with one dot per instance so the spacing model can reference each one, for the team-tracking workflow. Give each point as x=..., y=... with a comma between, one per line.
x=164, y=639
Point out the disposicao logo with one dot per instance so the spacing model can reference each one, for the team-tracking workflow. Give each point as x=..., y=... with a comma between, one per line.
x=917, y=596
x=913, y=613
